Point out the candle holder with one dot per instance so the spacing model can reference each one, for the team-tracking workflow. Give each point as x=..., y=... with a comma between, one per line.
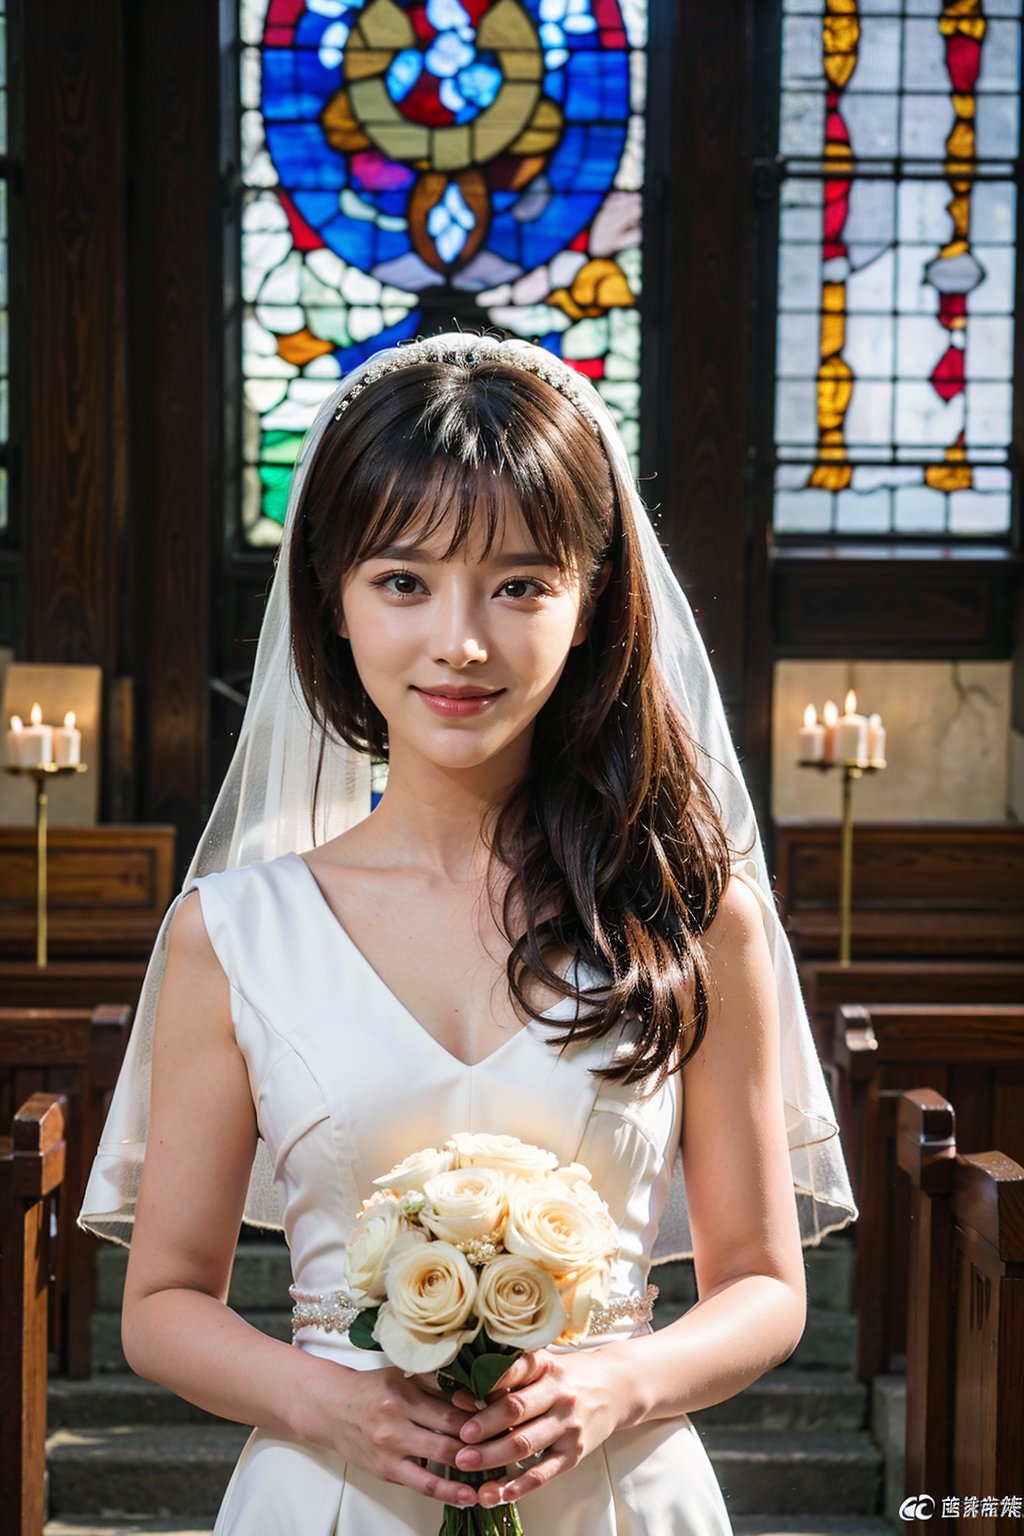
x=852, y=768
x=41, y=773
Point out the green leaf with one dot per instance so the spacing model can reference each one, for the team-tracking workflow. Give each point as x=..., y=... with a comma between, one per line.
x=488, y=1371
x=360, y=1330
x=451, y=1377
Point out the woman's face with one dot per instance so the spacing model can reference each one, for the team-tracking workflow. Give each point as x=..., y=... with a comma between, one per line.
x=460, y=654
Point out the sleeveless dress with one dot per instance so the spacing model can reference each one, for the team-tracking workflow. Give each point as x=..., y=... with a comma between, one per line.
x=346, y=1082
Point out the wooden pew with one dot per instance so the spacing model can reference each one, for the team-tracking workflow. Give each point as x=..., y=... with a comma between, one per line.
x=972, y=1055
x=827, y=985
x=109, y=888
x=78, y=1053
x=965, y=1341
x=939, y=890
x=31, y=1169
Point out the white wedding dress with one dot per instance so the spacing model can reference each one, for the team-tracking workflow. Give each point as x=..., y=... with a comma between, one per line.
x=346, y=1082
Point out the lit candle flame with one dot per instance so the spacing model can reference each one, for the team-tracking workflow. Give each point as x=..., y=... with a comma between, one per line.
x=37, y=715
x=851, y=703
x=17, y=723
x=830, y=713
x=69, y=720
x=810, y=715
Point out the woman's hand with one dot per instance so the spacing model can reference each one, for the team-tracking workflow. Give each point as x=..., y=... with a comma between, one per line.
x=387, y=1423
x=562, y=1405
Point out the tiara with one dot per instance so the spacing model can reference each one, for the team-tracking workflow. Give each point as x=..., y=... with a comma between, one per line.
x=557, y=375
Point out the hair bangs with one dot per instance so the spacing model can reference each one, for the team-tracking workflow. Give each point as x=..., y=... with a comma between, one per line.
x=443, y=494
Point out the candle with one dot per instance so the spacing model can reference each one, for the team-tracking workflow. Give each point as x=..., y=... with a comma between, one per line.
x=812, y=737
x=67, y=742
x=830, y=715
x=851, y=733
x=876, y=739
x=29, y=744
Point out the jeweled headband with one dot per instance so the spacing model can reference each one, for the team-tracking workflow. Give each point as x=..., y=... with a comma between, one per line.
x=535, y=361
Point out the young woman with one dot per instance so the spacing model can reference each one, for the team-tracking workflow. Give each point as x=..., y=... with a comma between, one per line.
x=554, y=925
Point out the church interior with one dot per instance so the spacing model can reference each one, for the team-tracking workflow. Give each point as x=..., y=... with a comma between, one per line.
x=784, y=240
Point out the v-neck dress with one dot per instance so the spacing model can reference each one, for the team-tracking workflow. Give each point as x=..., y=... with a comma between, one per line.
x=346, y=1082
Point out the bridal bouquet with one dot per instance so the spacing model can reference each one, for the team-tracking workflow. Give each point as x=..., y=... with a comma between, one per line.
x=468, y=1255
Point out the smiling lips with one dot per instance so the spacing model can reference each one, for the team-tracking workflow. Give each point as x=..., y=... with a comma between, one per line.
x=458, y=701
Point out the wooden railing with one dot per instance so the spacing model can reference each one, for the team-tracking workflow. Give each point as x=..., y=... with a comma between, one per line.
x=972, y=1055
x=77, y=1053
x=965, y=1340
x=925, y=890
x=32, y=1162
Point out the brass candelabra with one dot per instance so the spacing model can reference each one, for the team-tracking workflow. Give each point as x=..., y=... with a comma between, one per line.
x=42, y=773
x=852, y=769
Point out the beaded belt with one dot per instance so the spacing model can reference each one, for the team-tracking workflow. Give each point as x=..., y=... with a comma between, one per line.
x=334, y=1311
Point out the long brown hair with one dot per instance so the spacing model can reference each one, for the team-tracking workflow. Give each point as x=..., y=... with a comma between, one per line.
x=612, y=842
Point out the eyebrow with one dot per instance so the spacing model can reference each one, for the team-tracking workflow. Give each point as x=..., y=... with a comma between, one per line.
x=419, y=552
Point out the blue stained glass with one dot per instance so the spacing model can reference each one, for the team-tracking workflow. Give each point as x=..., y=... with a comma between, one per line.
x=294, y=148
x=282, y=90
x=316, y=208
x=479, y=82
x=351, y=357
x=598, y=86
x=404, y=72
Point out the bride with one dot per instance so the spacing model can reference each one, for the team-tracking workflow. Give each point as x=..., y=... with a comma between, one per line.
x=556, y=923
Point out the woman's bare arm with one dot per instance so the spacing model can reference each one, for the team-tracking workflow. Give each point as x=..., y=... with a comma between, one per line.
x=176, y=1326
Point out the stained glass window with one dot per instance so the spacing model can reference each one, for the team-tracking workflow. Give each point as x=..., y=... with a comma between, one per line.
x=398, y=154
x=899, y=139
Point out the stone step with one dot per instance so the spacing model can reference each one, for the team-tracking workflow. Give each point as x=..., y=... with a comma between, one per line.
x=183, y=1469
x=260, y=1277
x=117, y=1398
x=829, y=1339
x=784, y=1399
x=794, y=1525
x=791, y=1399
x=829, y=1271
x=743, y=1525
x=171, y=1469
x=130, y=1525
x=107, y=1354
x=813, y=1474
x=262, y=1274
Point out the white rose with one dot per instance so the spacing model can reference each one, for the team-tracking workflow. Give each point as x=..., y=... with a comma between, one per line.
x=519, y=1304
x=518, y=1159
x=554, y=1228
x=581, y=1294
x=378, y=1232
x=431, y=1291
x=413, y=1171
x=465, y=1203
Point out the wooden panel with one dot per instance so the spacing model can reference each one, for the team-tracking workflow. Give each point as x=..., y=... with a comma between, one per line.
x=173, y=151
x=70, y=983
x=698, y=256
x=904, y=605
x=946, y=889
x=75, y=299
x=108, y=889
x=928, y=865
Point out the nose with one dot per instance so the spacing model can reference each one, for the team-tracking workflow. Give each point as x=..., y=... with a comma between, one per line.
x=459, y=634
